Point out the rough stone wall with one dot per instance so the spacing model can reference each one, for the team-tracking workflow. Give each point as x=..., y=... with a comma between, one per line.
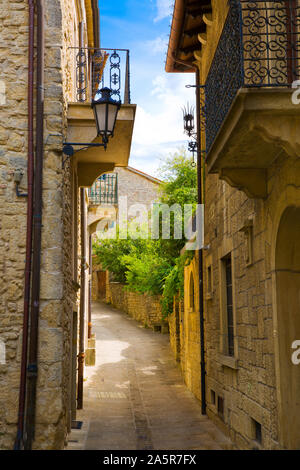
x=175, y=320
x=56, y=290
x=249, y=391
x=13, y=41
x=142, y=307
x=173, y=334
x=137, y=188
x=190, y=331
x=247, y=384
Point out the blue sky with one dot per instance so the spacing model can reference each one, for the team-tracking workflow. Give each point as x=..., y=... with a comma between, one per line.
x=143, y=26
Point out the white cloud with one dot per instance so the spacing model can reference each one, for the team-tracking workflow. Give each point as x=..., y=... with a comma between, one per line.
x=157, y=46
x=158, y=127
x=164, y=9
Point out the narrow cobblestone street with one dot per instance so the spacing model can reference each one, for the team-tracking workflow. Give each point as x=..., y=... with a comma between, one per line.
x=135, y=398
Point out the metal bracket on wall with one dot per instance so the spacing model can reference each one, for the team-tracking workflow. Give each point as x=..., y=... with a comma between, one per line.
x=193, y=145
x=18, y=175
x=69, y=151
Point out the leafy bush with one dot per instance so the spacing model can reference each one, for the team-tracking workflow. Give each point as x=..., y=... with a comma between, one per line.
x=146, y=273
x=110, y=255
x=155, y=266
x=174, y=283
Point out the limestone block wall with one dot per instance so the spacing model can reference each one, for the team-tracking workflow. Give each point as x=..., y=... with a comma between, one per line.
x=175, y=321
x=142, y=307
x=57, y=295
x=133, y=187
x=190, y=331
x=13, y=40
x=250, y=391
x=137, y=189
x=248, y=383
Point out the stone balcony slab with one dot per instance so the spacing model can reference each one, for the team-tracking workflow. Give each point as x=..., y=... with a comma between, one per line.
x=94, y=161
x=261, y=124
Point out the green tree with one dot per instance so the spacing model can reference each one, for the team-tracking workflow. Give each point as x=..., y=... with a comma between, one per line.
x=155, y=266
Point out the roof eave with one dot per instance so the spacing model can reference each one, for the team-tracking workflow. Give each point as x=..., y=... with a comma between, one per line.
x=189, y=19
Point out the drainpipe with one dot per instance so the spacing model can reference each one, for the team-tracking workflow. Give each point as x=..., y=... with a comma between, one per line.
x=32, y=369
x=90, y=288
x=200, y=201
x=82, y=300
x=22, y=392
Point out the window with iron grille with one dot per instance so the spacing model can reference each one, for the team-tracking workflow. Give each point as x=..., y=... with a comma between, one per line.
x=105, y=190
x=229, y=304
x=258, y=48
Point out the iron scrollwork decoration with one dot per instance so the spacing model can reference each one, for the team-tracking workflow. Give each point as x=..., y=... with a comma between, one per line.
x=115, y=75
x=99, y=59
x=189, y=123
x=94, y=71
x=271, y=42
x=104, y=190
x=225, y=77
x=189, y=130
x=81, y=75
x=259, y=47
x=193, y=148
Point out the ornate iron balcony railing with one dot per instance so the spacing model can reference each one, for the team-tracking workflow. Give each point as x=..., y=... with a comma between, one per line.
x=97, y=68
x=259, y=47
x=104, y=191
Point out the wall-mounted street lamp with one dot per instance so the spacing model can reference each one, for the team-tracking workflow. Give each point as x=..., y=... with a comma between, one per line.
x=189, y=129
x=188, y=120
x=105, y=112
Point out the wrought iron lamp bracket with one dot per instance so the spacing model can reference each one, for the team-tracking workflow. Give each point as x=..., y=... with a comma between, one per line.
x=193, y=145
x=195, y=86
x=69, y=151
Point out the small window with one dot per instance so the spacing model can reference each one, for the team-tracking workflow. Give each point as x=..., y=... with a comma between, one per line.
x=249, y=241
x=213, y=397
x=229, y=304
x=257, y=431
x=209, y=280
x=192, y=293
x=221, y=407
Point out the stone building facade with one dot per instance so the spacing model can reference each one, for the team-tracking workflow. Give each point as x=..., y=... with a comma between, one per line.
x=131, y=187
x=138, y=187
x=126, y=186
x=67, y=24
x=143, y=308
x=251, y=190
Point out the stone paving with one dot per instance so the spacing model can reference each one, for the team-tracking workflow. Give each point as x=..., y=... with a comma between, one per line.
x=135, y=398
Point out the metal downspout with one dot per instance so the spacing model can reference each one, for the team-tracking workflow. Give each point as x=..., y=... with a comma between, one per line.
x=200, y=201
x=200, y=265
x=32, y=369
x=30, y=173
x=82, y=300
x=90, y=288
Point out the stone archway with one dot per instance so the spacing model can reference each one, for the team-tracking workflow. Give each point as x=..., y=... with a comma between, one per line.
x=287, y=277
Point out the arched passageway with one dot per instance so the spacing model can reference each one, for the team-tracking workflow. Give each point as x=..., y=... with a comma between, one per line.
x=287, y=265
